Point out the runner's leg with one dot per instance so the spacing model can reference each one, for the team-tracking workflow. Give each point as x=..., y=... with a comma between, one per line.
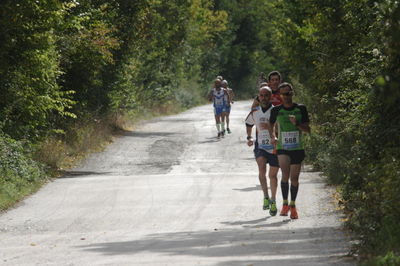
x=262, y=171
x=227, y=120
x=223, y=115
x=273, y=183
x=294, y=188
x=273, y=173
x=294, y=181
x=218, y=124
x=284, y=164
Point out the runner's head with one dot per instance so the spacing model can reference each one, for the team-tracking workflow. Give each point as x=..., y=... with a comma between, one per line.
x=220, y=78
x=274, y=79
x=217, y=83
x=224, y=83
x=286, y=91
x=263, y=84
x=264, y=94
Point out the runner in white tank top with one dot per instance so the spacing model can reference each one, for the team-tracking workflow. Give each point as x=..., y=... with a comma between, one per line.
x=228, y=102
x=264, y=147
x=217, y=95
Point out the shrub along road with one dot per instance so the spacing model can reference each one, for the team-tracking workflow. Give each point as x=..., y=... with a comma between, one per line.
x=171, y=193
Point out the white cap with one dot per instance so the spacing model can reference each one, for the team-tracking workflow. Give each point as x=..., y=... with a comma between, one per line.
x=265, y=88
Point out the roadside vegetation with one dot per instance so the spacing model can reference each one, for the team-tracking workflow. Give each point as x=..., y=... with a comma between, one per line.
x=344, y=59
x=73, y=73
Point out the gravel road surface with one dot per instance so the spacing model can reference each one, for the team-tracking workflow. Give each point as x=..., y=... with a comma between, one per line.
x=171, y=193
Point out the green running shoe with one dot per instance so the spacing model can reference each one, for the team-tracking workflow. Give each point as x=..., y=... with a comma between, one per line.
x=266, y=204
x=273, y=210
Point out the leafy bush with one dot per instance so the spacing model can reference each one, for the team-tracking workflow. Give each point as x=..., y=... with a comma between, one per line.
x=19, y=173
x=390, y=259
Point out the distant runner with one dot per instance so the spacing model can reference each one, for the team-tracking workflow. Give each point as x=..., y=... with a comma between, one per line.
x=228, y=102
x=217, y=96
x=264, y=147
x=292, y=120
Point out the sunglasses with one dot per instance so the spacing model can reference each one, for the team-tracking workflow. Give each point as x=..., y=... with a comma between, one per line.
x=290, y=93
x=265, y=95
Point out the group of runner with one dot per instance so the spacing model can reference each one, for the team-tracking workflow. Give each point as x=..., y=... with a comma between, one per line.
x=222, y=97
x=279, y=123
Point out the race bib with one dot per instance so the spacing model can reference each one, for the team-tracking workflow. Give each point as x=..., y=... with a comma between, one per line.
x=219, y=101
x=264, y=140
x=290, y=140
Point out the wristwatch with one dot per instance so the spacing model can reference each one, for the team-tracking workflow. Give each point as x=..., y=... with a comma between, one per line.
x=249, y=137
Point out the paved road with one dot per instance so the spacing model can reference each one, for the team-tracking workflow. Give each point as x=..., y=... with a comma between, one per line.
x=171, y=193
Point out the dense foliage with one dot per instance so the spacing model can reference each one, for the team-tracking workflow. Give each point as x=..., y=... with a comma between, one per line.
x=67, y=61
x=344, y=57
x=62, y=59
x=18, y=171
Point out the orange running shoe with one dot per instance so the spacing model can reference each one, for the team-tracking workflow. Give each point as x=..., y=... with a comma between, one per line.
x=284, y=210
x=293, y=213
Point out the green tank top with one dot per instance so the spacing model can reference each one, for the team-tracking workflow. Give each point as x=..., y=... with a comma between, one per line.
x=289, y=136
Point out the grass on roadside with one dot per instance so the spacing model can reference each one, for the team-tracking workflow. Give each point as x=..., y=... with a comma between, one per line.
x=19, y=173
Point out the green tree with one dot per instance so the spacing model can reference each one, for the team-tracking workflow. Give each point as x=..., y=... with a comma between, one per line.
x=31, y=98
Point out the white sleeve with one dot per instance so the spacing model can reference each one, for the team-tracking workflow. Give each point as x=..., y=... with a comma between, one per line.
x=249, y=119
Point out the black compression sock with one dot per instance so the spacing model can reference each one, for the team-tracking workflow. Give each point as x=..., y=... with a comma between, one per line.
x=293, y=192
x=285, y=190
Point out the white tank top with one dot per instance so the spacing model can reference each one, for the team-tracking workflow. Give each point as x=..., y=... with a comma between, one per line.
x=261, y=120
x=219, y=100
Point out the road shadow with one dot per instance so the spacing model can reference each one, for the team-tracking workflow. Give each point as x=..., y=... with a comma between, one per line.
x=75, y=174
x=176, y=120
x=248, y=189
x=209, y=140
x=168, y=120
x=145, y=134
x=249, y=159
x=257, y=221
x=304, y=246
x=270, y=225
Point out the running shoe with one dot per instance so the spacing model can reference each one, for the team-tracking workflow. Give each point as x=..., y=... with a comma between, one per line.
x=273, y=210
x=266, y=204
x=229, y=131
x=223, y=133
x=285, y=210
x=219, y=135
x=293, y=213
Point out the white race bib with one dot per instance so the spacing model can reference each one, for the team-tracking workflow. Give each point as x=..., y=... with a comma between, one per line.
x=219, y=102
x=264, y=140
x=290, y=140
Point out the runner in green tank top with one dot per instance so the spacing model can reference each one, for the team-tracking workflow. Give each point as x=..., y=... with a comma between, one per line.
x=292, y=119
x=289, y=135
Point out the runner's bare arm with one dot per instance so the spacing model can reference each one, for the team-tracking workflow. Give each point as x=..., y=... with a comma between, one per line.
x=250, y=141
x=271, y=133
x=305, y=127
x=274, y=131
x=255, y=104
x=229, y=96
